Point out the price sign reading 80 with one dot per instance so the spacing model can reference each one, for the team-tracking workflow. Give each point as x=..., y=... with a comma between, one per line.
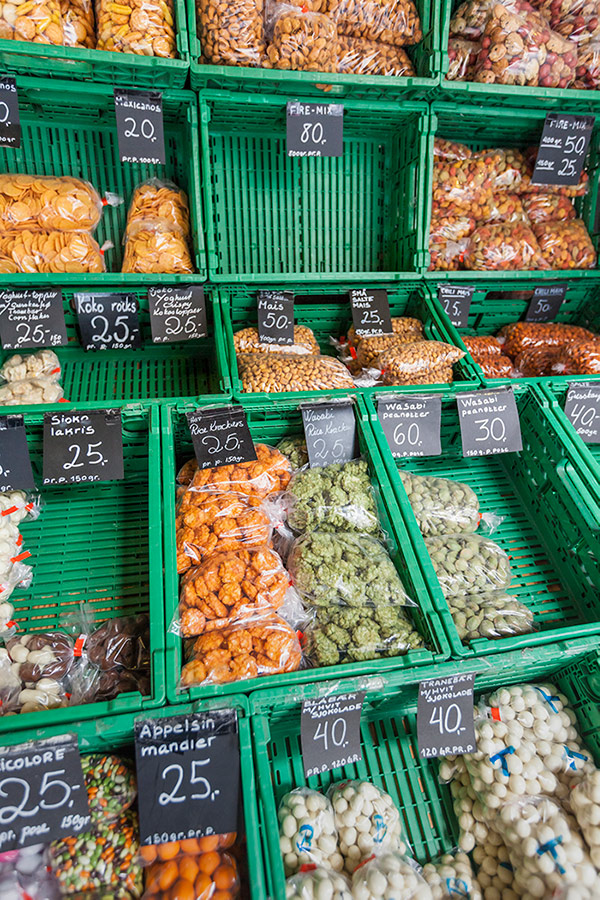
x=489, y=422
x=188, y=775
x=314, y=129
x=221, y=437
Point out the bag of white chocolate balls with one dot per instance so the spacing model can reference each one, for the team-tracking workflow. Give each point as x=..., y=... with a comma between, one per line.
x=307, y=833
x=317, y=883
x=389, y=875
x=451, y=876
x=585, y=803
x=366, y=821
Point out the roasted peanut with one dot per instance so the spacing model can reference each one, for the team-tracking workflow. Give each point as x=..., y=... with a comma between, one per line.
x=273, y=373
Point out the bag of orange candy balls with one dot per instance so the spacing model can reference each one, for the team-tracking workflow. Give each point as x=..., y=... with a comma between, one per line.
x=193, y=869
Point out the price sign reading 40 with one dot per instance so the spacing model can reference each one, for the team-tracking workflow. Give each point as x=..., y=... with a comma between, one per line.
x=582, y=408
x=411, y=425
x=330, y=732
x=489, y=422
x=314, y=129
x=221, y=437
x=445, y=716
x=188, y=774
x=140, y=128
x=82, y=447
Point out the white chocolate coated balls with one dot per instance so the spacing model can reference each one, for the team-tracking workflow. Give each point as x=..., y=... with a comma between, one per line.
x=366, y=820
x=585, y=803
x=318, y=884
x=307, y=832
x=450, y=877
x=389, y=876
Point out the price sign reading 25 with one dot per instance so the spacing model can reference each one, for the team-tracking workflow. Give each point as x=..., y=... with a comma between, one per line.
x=83, y=447
x=220, y=436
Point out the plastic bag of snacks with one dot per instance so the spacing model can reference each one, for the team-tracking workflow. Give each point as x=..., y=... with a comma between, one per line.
x=588, y=66
x=337, y=497
x=447, y=242
x=468, y=563
x=193, y=869
x=371, y=348
x=317, y=881
x=154, y=246
x=110, y=783
x=548, y=208
x=119, y=643
x=580, y=358
x=358, y=56
x=518, y=47
x=25, y=875
x=538, y=362
x=389, y=21
x=263, y=646
x=345, y=634
x=501, y=247
x=287, y=372
x=50, y=251
x=507, y=208
x=42, y=363
x=489, y=614
x=452, y=876
x=389, y=874
x=268, y=474
x=230, y=586
x=462, y=56
x=30, y=391
x=294, y=449
x=247, y=341
x=35, y=21
x=17, y=505
x=577, y=20
x=519, y=336
x=470, y=19
x=347, y=569
x=307, y=833
x=509, y=170
x=402, y=326
x=231, y=34
x=78, y=23
x=466, y=177
x=482, y=345
x=144, y=27
x=424, y=362
x=162, y=200
x=585, y=803
x=366, y=820
x=566, y=245
x=301, y=40
x=441, y=505
x=48, y=203
x=449, y=256
x=497, y=367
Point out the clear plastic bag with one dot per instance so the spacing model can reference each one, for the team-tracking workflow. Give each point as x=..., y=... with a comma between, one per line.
x=38, y=21
x=389, y=21
x=50, y=252
x=13, y=570
x=363, y=804
x=423, y=362
x=317, y=881
x=143, y=27
x=588, y=66
x=17, y=505
x=538, y=362
x=263, y=646
x=447, y=256
x=577, y=20
x=155, y=247
x=111, y=785
x=216, y=875
x=247, y=341
x=268, y=474
x=447, y=240
x=482, y=345
x=307, y=833
x=462, y=56
x=160, y=200
x=345, y=569
x=506, y=209
x=468, y=563
x=337, y=497
x=79, y=27
x=490, y=614
x=42, y=661
x=228, y=587
x=10, y=683
x=497, y=367
x=294, y=449
x=24, y=875
x=469, y=180
x=42, y=363
x=389, y=874
x=566, y=245
x=300, y=39
x=231, y=34
x=441, y=505
x=358, y=56
x=470, y=19
x=578, y=358
x=451, y=876
x=371, y=348
x=502, y=247
x=274, y=373
x=30, y=391
x=548, y=208
x=119, y=643
x=585, y=803
x=519, y=336
x=48, y=203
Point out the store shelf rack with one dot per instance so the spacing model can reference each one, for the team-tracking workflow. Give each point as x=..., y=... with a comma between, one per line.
x=549, y=529
x=268, y=215
x=269, y=424
x=73, y=132
x=389, y=741
x=98, y=544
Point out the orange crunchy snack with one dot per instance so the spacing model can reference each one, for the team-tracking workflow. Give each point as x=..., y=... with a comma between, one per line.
x=78, y=23
x=155, y=199
x=155, y=247
x=199, y=871
x=230, y=586
x=267, y=646
x=519, y=336
x=209, y=522
x=270, y=472
x=49, y=251
x=48, y=203
x=38, y=21
x=145, y=27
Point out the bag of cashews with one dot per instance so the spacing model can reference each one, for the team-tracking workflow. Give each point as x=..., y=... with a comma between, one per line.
x=317, y=883
x=389, y=874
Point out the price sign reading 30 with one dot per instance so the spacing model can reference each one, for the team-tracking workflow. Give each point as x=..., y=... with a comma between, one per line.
x=489, y=422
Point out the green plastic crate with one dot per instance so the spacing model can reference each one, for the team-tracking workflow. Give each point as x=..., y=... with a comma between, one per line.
x=48, y=61
x=71, y=130
x=100, y=544
x=550, y=528
x=267, y=215
x=504, y=299
x=503, y=95
x=481, y=127
x=115, y=734
x=426, y=58
x=389, y=741
x=326, y=310
x=269, y=424
x=152, y=372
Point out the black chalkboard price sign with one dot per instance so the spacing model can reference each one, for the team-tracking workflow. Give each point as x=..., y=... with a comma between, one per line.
x=15, y=464
x=582, y=409
x=489, y=422
x=314, y=129
x=456, y=300
x=108, y=321
x=370, y=312
x=140, y=128
x=411, y=425
x=188, y=775
x=445, y=722
x=330, y=732
x=330, y=432
x=546, y=303
x=32, y=319
x=177, y=313
x=10, y=122
x=275, y=311
x=563, y=146
x=80, y=447
x=221, y=437
x=43, y=796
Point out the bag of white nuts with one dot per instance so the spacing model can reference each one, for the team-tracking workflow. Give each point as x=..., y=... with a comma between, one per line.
x=387, y=876
x=451, y=876
x=307, y=833
x=366, y=820
x=317, y=883
x=585, y=803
